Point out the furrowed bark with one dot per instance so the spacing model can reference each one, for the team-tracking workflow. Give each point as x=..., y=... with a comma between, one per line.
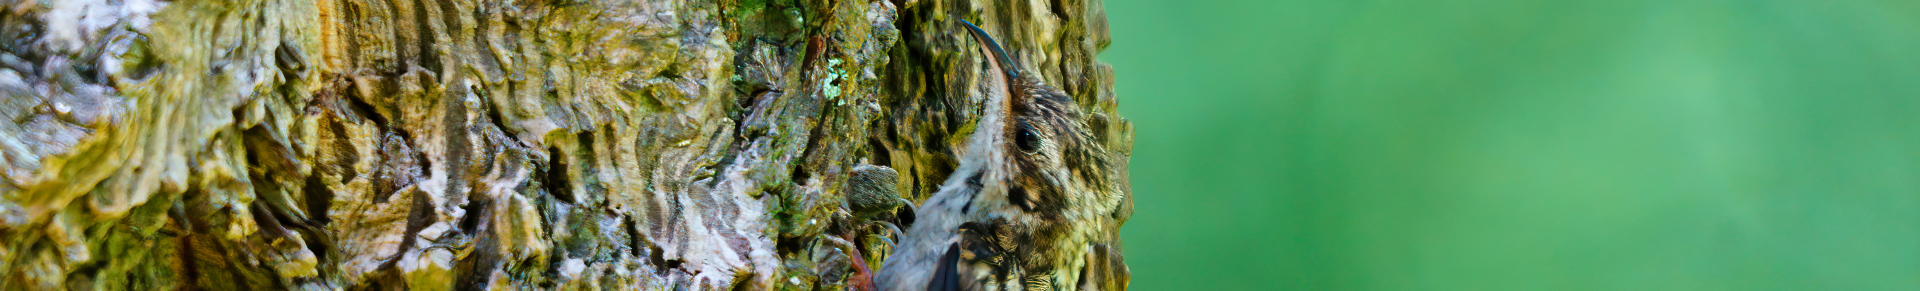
x=462, y=144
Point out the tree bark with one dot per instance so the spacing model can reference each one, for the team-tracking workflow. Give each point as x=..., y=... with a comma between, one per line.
x=463, y=144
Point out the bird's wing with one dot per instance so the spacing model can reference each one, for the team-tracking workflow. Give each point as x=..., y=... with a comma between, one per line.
x=946, y=277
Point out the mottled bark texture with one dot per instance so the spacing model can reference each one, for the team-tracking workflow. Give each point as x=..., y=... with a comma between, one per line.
x=464, y=144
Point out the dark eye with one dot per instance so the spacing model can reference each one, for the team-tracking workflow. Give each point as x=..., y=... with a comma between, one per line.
x=1017, y=196
x=1025, y=138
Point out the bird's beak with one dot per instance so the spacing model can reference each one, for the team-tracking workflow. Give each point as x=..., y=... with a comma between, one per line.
x=993, y=48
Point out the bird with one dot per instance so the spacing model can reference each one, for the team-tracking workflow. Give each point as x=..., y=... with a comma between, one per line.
x=1033, y=204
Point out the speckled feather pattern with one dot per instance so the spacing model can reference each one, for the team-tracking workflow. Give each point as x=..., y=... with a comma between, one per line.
x=1032, y=196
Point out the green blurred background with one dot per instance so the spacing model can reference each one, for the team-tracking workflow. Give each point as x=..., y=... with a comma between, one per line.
x=1522, y=145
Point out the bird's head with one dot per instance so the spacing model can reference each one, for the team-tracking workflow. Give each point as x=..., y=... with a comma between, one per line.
x=1034, y=191
x=1037, y=145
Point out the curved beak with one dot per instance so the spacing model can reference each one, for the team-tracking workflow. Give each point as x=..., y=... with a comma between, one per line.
x=993, y=48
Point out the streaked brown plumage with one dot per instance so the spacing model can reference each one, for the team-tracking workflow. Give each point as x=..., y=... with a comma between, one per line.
x=1035, y=200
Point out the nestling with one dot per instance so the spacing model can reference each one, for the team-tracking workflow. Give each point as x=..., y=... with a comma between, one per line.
x=1032, y=206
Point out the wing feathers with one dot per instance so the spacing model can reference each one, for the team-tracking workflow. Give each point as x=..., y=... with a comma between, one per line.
x=947, y=275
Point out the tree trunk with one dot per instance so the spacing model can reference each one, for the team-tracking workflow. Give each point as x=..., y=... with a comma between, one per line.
x=462, y=144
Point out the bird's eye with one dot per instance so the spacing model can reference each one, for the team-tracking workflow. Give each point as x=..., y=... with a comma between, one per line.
x=1026, y=139
x=1017, y=196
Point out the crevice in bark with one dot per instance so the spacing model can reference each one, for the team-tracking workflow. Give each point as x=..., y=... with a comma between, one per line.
x=477, y=210
x=319, y=200
x=557, y=181
x=418, y=218
x=476, y=270
x=664, y=265
x=343, y=150
x=878, y=152
x=636, y=241
x=423, y=39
